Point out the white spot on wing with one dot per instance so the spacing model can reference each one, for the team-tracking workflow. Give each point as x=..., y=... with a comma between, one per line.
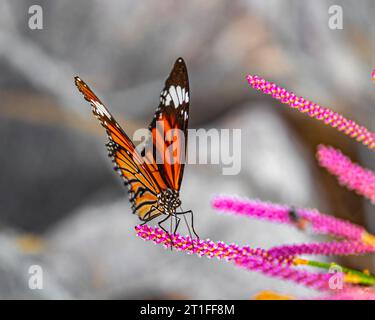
x=183, y=94
x=187, y=97
x=172, y=92
x=179, y=94
x=101, y=109
x=168, y=100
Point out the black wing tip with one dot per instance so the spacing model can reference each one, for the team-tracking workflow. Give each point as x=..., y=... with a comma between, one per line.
x=179, y=74
x=180, y=63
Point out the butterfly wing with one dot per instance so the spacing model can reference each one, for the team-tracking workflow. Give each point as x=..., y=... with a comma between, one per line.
x=137, y=175
x=169, y=127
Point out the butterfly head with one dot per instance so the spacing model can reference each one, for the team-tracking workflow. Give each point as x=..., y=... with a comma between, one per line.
x=169, y=201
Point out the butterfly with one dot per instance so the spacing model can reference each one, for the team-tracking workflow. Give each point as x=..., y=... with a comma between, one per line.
x=153, y=186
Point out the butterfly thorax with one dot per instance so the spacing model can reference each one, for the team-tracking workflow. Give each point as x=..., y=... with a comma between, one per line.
x=169, y=201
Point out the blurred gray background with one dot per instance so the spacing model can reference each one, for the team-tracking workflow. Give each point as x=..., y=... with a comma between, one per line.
x=61, y=205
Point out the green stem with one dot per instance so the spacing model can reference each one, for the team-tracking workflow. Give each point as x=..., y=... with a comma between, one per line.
x=364, y=278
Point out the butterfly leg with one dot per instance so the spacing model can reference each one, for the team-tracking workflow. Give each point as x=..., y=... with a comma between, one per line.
x=145, y=221
x=192, y=221
x=159, y=224
x=177, y=224
x=176, y=227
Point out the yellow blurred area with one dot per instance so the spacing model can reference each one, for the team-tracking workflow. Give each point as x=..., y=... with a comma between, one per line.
x=30, y=243
x=271, y=295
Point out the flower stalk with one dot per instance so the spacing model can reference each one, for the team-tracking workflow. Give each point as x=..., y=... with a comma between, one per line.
x=328, y=116
x=332, y=248
x=349, y=174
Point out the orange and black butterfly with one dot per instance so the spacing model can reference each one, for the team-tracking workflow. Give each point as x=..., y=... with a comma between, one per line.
x=153, y=187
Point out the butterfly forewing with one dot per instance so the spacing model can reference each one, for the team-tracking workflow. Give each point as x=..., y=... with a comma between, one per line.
x=143, y=188
x=169, y=127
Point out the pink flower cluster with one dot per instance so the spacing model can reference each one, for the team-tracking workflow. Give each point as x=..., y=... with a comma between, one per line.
x=314, y=110
x=279, y=262
x=246, y=257
x=206, y=248
x=349, y=174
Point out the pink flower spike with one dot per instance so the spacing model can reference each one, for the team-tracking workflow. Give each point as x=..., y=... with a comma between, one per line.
x=349, y=174
x=329, y=117
x=339, y=248
x=246, y=257
x=206, y=247
x=320, y=223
